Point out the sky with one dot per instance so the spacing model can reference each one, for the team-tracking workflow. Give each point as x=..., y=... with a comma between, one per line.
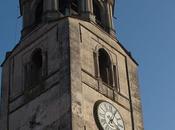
x=147, y=29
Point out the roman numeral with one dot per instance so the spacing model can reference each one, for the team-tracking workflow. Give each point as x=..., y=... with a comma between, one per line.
x=103, y=121
x=118, y=119
x=107, y=127
x=121, y=126
x=102, y=109
x=110, y=108
x=102, y=115
x=105, y=106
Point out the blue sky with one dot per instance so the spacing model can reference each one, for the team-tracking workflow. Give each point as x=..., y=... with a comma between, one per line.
x=147, y=29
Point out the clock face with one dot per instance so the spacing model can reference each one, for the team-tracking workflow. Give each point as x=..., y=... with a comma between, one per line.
x=108, y=117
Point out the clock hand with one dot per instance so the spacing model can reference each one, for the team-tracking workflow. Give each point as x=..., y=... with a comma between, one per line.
x=113, y=116
x=112, y=119
x=117, y=127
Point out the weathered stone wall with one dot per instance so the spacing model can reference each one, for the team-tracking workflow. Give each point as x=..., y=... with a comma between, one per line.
x=75, y=67
x=89, y=99
x=65, y=99
x=4, y=98
x=89, y=38
x=135, y=95
x=47, y=105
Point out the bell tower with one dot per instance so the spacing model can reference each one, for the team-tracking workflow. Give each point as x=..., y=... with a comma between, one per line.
x=69, y=71
x=37, y=12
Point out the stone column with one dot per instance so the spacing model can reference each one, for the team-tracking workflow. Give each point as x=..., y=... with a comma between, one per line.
x=50, y=10
x=82, y=6
x=27, y=18
x=26, y=15
x=87, y=11
x=110, y=23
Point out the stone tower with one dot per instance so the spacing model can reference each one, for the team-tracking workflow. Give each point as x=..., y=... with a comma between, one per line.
x=69, y=72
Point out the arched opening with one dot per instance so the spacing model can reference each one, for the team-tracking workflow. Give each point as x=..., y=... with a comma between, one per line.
x=74, y=5
x=105, y=67
x=62, y=6
x=33, y=69
x=39, y=12
x=37, y=58
x=97, y=11
x=36, y=66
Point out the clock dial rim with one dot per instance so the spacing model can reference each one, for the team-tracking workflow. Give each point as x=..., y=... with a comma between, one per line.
x=96, y=117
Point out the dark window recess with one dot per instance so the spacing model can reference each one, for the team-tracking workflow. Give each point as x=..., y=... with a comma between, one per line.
x=105, y=67
x=39, y=13
x=115, y=76
x=33, y=70
x=74, y=5
x=97, y=11
x=63, y=4
x=95, y=64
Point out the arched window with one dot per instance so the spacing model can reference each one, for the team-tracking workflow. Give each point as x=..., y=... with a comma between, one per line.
x=39, y=12
x=105, y=67
x=97, y=11
x=33, y=70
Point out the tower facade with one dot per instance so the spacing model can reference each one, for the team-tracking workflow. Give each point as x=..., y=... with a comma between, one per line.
x=69, y=72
